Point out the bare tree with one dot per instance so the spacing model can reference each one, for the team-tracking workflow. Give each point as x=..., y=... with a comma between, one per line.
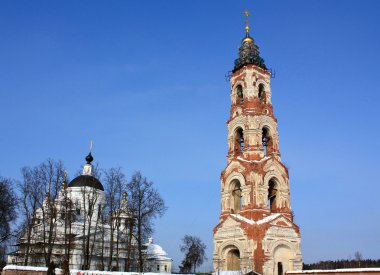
x=91, y=219
x=115, y=184
x=8, y=214
x=194, y=250
x=52, y=173
x=66, y=218
x=31, y=190
x=358, y=257
x=145, y=204
x=8, y=205
x=39, y=209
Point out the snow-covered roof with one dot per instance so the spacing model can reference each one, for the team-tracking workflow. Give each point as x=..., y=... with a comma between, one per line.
x=154, y=251
x=265, y=220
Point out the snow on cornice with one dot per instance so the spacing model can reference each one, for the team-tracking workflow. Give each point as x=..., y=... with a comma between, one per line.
x=265, y=220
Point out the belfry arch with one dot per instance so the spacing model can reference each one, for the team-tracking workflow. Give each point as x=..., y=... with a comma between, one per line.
x=239, y=140
x=273, y=187
x=261, y=93
x=236, y=195
x=267, y=141
x=240, y=94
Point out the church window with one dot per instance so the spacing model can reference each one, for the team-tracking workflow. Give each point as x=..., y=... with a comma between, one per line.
x=239, y=140
x=236, y=199
x=158, y=267
x=78, y=210
x=272, y=194
x=261, y=92
x=166, y=268
x=239, y=92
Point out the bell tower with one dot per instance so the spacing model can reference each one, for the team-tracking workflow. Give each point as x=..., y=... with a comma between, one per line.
x=256, y=230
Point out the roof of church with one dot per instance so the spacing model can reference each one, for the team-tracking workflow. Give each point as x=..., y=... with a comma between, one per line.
x=86, y=180
x=154, y=251
x=248, y=52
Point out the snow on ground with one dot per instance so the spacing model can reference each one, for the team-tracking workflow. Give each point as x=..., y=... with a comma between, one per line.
x=356, y=270
x=81, y=272
x=30, y=268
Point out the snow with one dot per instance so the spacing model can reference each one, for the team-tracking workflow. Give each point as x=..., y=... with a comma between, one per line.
x=265, y=220
x=30, y=268
x=343, y=270
x=82, y=272
x=97, y=272
x=229, y=272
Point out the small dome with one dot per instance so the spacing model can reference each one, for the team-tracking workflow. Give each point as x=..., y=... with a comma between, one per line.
x=247, y=39
x=154, y=251
x=86, y=180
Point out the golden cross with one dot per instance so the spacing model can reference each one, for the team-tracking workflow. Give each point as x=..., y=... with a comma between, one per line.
x=246, y=12
x=90, y=146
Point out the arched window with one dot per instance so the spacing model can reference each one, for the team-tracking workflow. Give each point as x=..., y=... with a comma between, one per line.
x=239, y=92
x=239, y=140
x=261, y=91
x=267, y=141
x=236, y=201
x=272, y=194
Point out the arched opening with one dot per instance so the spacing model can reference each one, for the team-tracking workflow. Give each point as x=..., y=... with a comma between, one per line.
x=261, y=94
x=233, y=259
x=239, y=140
x=236, y=200
x=272, y=194
x=239, y=92
x=282, y=256
x=267, y=141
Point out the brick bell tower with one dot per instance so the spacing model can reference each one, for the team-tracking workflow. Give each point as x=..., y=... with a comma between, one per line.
x=256, y=230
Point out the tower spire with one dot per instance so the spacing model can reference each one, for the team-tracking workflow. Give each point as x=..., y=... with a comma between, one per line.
x=248, y=51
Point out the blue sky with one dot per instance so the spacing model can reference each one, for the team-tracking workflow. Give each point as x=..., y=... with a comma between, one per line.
x=145, y=80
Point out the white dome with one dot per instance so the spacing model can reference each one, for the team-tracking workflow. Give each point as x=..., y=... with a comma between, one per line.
x=154, y=251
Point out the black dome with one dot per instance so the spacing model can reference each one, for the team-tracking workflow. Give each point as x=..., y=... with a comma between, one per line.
x=86, y=180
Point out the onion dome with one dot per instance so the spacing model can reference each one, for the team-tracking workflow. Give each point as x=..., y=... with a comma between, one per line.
x=87, y=179
x=89, y=158
x=248, y=52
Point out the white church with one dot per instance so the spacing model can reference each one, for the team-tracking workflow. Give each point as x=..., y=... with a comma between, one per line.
x=81, y=239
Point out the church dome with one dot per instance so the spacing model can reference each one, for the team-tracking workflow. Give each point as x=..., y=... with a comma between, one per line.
x=154, y=251
x=86, y=180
